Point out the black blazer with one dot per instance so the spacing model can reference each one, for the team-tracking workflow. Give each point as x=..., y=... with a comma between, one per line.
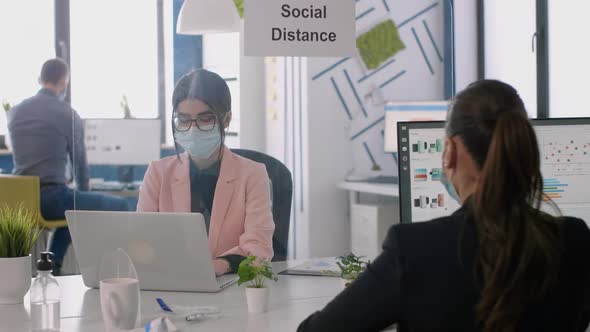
x=421, y=283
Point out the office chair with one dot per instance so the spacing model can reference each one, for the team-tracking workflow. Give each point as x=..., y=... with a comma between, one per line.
x=282, y=191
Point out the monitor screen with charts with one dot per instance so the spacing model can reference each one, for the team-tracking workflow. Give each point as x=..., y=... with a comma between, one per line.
x=564, y=145
x=410, y=111
x=122, y=141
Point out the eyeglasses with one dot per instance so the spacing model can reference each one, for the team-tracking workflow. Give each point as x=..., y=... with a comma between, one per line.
x=204, y=122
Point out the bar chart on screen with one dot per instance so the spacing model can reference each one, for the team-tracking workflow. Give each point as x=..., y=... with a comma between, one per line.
x=565, y=164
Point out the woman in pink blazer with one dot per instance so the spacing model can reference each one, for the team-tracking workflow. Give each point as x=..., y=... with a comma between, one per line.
x=230, y=191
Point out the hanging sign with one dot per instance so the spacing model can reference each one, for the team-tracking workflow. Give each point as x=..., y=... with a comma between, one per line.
x=299, y=28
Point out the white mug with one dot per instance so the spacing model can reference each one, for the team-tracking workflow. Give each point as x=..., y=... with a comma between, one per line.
x=119, y=303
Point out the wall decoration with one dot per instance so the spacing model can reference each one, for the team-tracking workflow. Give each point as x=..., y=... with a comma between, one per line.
x=409, y=68
x=379, y=44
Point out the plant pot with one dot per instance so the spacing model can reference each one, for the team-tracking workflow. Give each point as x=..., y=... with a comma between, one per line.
x=257, y=299
x=345, y=282
x=16, y=279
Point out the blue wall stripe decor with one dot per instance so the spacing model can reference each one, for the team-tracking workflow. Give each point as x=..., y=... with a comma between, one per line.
x=418, y=72
x=341, y=98
x=417, y=15
x=329, y=68
x=432, y=40
x=356, y=95
x=365, y=13
x=367, y=128
x=384, y=84
x=386, y=6
x=369, y=153
x=422, y=50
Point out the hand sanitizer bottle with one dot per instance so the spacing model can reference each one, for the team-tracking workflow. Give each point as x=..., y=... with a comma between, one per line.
x=45, y=296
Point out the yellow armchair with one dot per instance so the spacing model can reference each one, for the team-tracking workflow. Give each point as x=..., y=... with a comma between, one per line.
x=25, y=190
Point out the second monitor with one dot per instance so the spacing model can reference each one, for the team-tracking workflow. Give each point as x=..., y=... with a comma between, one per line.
x=564, y=146
x=122, y=141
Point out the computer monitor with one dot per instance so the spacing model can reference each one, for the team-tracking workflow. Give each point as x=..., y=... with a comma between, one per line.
x=123, y=142
x=564, y=145
x=410, y=111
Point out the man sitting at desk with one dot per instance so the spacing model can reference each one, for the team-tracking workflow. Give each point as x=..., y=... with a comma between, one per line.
x=45, y=131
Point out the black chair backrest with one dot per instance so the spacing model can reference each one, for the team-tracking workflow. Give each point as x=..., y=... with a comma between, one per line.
x=282, y=191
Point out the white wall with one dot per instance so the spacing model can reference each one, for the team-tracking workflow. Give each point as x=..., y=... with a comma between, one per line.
x=308, y=128
x=329, y=159
x=310, y=139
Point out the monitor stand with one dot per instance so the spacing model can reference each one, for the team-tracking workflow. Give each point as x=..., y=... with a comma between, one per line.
x=125, y=175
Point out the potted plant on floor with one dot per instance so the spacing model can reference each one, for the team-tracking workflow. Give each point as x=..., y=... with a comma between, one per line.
x=255, y=271
x=350, y=267
x=19, y=231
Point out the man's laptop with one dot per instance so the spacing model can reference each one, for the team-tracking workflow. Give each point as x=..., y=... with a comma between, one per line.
x=170, y=251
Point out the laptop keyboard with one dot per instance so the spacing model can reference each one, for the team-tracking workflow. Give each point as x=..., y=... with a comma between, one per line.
x=226, y=280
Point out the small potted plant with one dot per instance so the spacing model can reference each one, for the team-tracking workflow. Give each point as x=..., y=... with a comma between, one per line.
x=6, y=105
x=125, y=106
x=255, y=271
x=19, y=231
x=350, y=267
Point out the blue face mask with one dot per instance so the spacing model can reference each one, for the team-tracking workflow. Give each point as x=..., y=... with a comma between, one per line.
x=62, y=96
x=450, y=188
x=199, y=144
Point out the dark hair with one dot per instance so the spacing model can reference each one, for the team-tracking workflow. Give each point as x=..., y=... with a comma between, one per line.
x=54, y=70
x=519, y=246
x=207, y=87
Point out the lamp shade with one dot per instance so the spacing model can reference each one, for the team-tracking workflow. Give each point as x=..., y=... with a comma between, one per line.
x=207, y=16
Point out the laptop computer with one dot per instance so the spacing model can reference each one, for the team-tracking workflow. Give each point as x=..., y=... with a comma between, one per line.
x=170, y=251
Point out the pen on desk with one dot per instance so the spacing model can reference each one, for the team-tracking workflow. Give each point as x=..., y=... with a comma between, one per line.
x=194, y=317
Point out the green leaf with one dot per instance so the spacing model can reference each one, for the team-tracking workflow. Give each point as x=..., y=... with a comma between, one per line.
x=267, y=274
x=240, y=7
x=351, y=266
x=6, y=105
x=19, y=231
x=255, y=270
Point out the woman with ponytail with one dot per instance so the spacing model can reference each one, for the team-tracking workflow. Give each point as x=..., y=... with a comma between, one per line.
x=499, y=263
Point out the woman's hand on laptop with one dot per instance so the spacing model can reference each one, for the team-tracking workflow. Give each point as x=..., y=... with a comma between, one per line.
x=221, y=266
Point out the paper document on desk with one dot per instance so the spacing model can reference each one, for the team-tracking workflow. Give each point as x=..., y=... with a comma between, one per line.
x=316, y=267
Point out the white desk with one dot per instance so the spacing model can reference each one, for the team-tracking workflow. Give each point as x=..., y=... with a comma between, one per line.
x=356, y=188
x=369, y=222
x=292, y=299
